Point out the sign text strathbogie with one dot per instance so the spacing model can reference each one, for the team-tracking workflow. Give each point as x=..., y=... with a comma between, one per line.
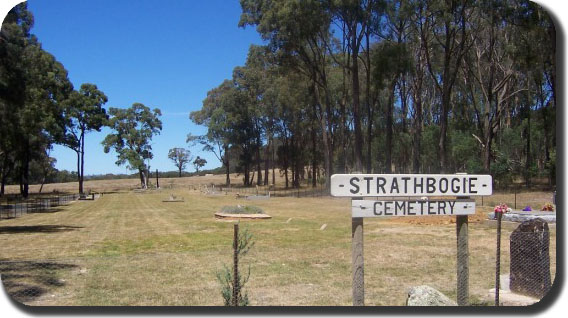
x=371, y=185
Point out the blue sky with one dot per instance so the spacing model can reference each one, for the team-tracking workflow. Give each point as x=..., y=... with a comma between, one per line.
x=162, y=53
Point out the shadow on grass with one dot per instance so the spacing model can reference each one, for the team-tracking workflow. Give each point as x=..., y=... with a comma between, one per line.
x=50, y=210
x=26, y=281
x=37, y=229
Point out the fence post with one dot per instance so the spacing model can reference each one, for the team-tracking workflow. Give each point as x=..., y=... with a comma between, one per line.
x=498, y=259
x=157, y=180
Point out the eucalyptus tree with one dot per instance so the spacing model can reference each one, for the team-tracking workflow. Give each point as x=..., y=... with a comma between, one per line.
x=85, y=113
x=489, y=74
x=133, y=129
x=357, y=17
x=247, y=82
x=14, y=36
x=535, y=53
x=390, y=62
x=294, y=105
x=199, y=163
x=298, y=31
x=242, y=118
x=181, y=157
x=259, y=76
x=446, y=40
x=33, y=85
x=213, y=115
x=419, y=79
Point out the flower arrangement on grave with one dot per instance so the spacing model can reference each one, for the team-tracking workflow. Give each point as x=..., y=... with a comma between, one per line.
x=502, y=208
x=527, y=208
x=548, y=207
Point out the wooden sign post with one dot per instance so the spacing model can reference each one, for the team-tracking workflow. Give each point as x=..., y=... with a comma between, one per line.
x=358, y=186
x=462, y=229
x=357, y=261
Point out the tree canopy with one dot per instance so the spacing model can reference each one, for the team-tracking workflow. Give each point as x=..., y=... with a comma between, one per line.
x=133, y=129
x=389, y=86
x=181, y=157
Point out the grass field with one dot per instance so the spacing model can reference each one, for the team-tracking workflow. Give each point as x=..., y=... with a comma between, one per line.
x=130, y=248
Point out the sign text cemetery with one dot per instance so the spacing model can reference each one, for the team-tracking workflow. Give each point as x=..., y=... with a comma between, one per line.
x=368, y=208
x=411, y=195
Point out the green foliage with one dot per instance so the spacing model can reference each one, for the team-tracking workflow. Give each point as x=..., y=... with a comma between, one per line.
x=84, y=112
x=465, y=150
x=247, y=209
x=181, y=157
x=501, y=170
x=33, y=88
x=229, y=285
x=133, y=129
x=198, y=163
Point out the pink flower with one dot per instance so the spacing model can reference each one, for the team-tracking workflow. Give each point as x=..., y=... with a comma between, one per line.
x=502, y=208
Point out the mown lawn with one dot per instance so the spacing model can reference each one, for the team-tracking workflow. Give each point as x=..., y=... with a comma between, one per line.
x=133, y=249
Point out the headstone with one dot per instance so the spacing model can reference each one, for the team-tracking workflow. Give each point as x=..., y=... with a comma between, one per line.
x=427, y=296
x=530, y=259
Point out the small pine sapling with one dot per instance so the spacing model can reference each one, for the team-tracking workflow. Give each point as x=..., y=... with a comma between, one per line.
x=232, y=282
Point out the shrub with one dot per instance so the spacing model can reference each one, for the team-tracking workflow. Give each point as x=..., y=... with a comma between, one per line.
x=247, y=209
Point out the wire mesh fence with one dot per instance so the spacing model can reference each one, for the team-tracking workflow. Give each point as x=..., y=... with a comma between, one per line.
x=518, y=200
x=15, y=206
x=529, y=269
x=298, y=192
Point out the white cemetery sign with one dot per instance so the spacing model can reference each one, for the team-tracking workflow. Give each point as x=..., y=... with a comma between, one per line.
x=391, y=185
x=358, y=186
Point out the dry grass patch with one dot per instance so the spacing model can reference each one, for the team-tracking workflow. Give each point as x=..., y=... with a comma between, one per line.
x=134, y=249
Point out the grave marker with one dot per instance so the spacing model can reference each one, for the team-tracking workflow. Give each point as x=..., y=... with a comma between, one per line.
x=530, y=259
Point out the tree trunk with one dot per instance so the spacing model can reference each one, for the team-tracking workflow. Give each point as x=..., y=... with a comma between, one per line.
x=42, y=183
x=266, y=161
x=389, y=132
x=286, y=176
x=326, y=139
x=143, y=181
x=246, y=175
x=6, y=168
x=3, y=180
x=368, y=103
x=227, y=168
x=258, y=159
x=81, y=179
x=442, y=143
x=487, y=155
x=273, y=164
x=417, y=136
x=26, y=174
x=79, y=171
x=356, y=102
x=157, y=180
x=314, y=158
x=528, y=150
